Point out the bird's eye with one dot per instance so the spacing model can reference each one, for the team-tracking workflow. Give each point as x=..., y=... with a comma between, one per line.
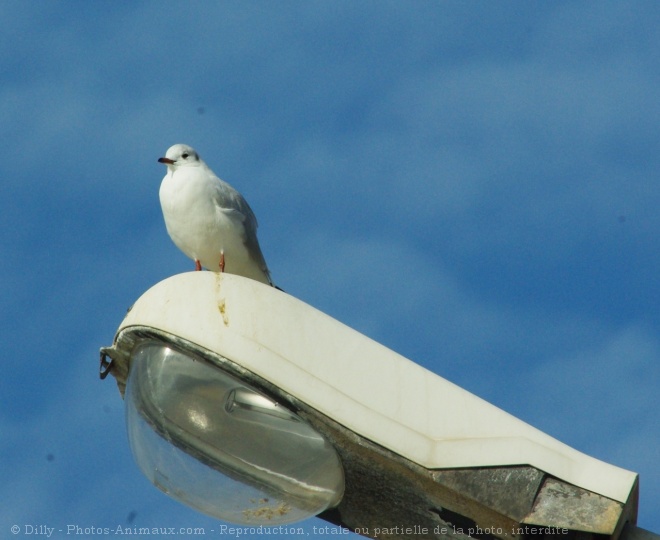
x=184, y=156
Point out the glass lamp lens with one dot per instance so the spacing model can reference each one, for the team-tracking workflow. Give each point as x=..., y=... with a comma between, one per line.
x=214, y=443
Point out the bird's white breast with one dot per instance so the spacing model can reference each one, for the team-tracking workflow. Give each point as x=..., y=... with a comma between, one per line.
x=198, y=225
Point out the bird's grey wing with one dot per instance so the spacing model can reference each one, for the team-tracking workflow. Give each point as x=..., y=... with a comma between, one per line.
x=232, y=201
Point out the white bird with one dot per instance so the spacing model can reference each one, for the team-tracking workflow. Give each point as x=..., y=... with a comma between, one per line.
x=208, y=219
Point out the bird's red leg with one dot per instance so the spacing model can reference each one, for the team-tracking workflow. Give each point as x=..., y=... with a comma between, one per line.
x=222, y=261
x=198, y=265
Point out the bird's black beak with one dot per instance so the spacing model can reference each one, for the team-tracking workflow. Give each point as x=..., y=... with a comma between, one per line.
x=165, y=160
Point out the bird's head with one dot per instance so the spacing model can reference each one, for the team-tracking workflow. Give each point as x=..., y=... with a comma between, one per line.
x=180, y=155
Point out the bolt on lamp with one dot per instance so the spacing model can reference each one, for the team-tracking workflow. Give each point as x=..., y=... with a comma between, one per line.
x=251, y=406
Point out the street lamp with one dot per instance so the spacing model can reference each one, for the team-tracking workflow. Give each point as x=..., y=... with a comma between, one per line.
x=249, y=405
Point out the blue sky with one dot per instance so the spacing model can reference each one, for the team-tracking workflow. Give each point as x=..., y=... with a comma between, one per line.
x=473, y=184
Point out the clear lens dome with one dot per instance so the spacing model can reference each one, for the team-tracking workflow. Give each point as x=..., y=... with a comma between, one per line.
x=214, y=443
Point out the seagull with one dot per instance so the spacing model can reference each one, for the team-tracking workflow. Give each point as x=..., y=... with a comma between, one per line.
x=208, y=219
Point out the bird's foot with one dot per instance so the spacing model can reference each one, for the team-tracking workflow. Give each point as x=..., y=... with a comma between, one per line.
x=222, y=261
x=198, y=265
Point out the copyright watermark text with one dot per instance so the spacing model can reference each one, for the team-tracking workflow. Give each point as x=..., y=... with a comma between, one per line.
x=230, y=531
x=44, y=531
